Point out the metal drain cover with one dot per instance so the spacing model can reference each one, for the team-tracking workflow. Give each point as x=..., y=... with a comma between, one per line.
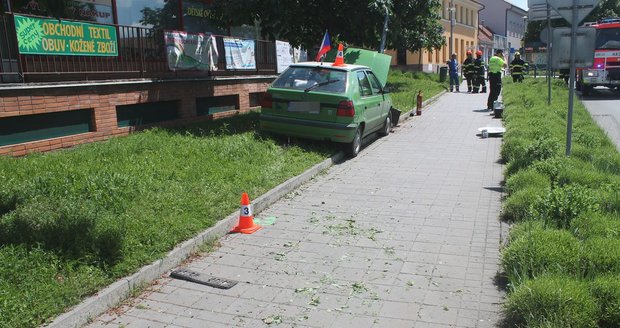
x=203, y=279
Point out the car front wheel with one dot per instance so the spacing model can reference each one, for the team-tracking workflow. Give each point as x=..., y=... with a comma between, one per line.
x=386, y=126
x=353, y=148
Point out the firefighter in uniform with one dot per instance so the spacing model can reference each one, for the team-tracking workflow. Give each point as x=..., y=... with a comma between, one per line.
x=496, y=66
x=479, y=80
x=517, y=66
x=469, y=71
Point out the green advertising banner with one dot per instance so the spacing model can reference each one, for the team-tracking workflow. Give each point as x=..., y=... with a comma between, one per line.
x=41, y=36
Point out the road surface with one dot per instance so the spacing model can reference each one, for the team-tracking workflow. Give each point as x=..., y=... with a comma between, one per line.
x=604, y=106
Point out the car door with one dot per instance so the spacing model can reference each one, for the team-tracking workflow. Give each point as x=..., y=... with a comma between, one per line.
x=369, y=103
x=386, y=100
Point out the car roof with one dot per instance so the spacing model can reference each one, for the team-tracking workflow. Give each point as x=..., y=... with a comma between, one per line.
x=328, y=65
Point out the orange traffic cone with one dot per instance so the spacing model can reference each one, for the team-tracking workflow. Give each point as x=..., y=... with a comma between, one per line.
x=246, y=218
x=340, y=56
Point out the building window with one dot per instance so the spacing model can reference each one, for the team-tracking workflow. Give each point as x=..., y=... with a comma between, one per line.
x=430, y=57
x=466, y=16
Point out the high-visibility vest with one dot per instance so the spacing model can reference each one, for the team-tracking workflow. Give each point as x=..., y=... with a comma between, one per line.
x=496, y=64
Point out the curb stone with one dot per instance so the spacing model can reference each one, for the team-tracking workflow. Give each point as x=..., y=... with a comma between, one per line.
x=120, y=290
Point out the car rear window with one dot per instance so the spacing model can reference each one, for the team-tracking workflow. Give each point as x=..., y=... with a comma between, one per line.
x=312, y=79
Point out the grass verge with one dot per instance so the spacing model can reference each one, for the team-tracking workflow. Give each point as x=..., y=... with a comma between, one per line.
x=561, y=260
x=74, y=221
x=405, y=86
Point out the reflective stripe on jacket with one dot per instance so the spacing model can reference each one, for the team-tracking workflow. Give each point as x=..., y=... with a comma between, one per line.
x=516, y=66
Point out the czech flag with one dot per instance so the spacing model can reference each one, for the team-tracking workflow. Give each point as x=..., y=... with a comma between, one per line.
x=325, y=46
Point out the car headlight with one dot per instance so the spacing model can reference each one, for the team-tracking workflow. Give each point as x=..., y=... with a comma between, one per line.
x=591, y=73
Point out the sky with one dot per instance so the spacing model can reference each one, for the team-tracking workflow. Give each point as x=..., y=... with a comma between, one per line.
x=519, y=3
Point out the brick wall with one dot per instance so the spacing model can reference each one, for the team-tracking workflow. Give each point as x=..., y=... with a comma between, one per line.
x=103, y=99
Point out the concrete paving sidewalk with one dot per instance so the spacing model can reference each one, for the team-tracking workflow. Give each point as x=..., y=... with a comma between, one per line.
x=405, y=235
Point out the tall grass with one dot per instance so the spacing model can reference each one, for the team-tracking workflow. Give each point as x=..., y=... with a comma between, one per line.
x=563, y=255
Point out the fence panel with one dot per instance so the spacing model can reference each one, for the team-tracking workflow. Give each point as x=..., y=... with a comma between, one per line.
x=141, y=54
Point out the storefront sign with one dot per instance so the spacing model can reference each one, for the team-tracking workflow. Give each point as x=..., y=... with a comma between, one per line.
x=239, y=54
x=99, y=11
x=39, y=36
x=191, y=51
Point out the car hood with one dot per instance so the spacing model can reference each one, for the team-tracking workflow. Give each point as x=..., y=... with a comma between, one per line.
x=378, y=62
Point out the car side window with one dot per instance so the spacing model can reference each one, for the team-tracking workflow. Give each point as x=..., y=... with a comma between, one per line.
x=374, y=82
x=365, y=89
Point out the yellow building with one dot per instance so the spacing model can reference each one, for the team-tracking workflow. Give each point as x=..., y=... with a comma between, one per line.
x=464, y=37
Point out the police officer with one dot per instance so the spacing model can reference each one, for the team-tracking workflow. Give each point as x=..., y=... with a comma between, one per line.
x=469, y=71
x=453, y=67
x=517, y=66
x=496, y=66
x=479, y=80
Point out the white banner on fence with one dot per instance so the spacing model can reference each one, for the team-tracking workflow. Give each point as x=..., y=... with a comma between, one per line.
x=239, y=53
x=284, y=55
x=191, y=51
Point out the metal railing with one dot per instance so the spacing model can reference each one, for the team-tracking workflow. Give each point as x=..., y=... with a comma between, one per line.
x=141, y=54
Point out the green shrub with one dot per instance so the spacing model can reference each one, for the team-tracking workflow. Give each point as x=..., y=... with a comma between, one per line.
x=541, y=148
x=591, y=225
x=601, y=256
x=551, y=167
x=537, y=251
x=529, y=178
x=560, y=206
x=606, y=290
x=518, y=207
x=552, y=301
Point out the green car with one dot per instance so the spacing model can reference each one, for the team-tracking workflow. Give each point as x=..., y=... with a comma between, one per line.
x=320, y=101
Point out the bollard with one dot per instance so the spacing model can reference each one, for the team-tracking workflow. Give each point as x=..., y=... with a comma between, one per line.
x=418, y=110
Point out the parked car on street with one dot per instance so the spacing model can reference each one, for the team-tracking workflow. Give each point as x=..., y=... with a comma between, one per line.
x=341, y=104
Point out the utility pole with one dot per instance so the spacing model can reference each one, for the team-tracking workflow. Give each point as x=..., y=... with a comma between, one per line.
x=451, y=10
x=385, y=27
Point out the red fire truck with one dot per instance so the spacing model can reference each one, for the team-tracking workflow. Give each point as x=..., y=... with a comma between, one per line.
x=606, y=69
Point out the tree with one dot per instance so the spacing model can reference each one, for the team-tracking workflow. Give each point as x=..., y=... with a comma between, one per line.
x=414, y=24
x=162, y=18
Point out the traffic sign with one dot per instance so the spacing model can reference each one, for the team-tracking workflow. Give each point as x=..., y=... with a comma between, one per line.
x=538, y=11
x=584, y=53
x=565, y=8
x=544, y=34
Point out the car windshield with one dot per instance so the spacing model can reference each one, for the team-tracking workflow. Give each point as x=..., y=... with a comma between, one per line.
x=312, y=79
x=608, y=38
